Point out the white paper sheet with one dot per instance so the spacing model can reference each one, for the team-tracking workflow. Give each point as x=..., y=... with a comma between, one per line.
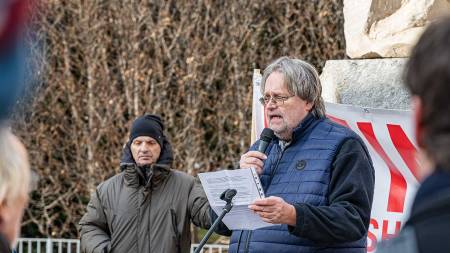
x=248, y=187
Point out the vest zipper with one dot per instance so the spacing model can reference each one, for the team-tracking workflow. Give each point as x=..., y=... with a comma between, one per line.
x=239, y=241
x=276, y=166
x=247, y=243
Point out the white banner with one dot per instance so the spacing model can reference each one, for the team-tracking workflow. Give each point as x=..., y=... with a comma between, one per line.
x=388, y=135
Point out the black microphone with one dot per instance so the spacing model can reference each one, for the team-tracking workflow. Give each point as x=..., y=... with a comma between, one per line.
x=228, y=195
x=267, y=136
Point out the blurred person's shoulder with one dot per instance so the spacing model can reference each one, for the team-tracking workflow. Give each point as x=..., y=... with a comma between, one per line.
x=405, y=242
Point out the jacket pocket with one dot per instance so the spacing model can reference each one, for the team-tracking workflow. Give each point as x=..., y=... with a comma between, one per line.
x=176, y=233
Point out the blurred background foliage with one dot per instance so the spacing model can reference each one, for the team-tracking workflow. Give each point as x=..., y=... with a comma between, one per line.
x=99, y=64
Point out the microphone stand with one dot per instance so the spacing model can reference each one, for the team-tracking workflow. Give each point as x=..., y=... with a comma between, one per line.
x=227, y=196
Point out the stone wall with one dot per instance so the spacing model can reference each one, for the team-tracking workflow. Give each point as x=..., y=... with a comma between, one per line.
x=382, y=29
x=375, y=83
x=387, y=28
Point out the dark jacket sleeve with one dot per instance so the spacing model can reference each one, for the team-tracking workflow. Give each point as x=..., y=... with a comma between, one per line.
x=351, y=188
x=94, y=232
x=221, y=228
x=199, y=206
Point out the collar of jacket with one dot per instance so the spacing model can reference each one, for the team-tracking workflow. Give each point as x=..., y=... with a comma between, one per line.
x=309, y=121
x=4, y=245
x=134, y=177
x=432, y=198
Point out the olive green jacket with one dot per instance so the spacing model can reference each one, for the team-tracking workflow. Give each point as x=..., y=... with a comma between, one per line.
x=126, y=214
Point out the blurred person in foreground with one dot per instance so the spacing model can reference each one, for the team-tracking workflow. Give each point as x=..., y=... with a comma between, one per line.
x=13, y=15
x=318, y=176
x=427, y=76
x=14, y=165
x=14, y=187
x=148, y=207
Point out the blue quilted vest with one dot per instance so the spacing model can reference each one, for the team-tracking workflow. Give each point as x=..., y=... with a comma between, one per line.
x=299, y=174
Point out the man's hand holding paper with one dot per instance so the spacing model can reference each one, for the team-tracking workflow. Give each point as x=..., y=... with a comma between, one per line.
x=274, y=210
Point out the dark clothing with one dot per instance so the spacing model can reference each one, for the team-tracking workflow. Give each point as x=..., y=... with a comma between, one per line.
x=427, y=229
x=4, y=245
x=327, y=174
x=128, y=213
x=349, y=188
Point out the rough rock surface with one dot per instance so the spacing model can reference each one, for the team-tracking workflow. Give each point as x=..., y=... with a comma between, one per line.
x=387, y=28
x=374, y=83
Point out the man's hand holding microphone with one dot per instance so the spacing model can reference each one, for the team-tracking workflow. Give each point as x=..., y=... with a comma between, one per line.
x=271, y=209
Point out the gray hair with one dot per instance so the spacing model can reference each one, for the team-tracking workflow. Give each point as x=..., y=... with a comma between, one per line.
x=14, y=168
x=301, y=79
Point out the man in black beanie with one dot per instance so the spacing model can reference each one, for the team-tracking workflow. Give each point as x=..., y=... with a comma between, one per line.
x=148, y=207
x=141, y=148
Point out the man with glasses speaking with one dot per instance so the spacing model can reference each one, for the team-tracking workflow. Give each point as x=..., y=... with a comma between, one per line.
x=317, y=175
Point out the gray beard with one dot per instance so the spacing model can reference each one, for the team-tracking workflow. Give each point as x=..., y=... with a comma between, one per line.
x=285, y=137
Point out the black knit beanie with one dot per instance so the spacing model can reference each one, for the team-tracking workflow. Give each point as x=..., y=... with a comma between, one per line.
x=148, y=125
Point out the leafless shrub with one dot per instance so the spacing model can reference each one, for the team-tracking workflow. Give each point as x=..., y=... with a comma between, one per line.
x=102, y=63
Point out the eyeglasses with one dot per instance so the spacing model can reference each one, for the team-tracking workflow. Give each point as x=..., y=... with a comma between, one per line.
x=277, y=100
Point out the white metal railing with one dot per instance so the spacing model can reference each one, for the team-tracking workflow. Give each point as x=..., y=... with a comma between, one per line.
x=47, y=245
x=53, y=245
x=211, y=248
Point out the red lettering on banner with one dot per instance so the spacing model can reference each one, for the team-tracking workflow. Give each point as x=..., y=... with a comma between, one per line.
x=404, y=147
x=372, y=235
x=385, y=235
x=338, y=120
x=397, y=191
x=372, y=243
